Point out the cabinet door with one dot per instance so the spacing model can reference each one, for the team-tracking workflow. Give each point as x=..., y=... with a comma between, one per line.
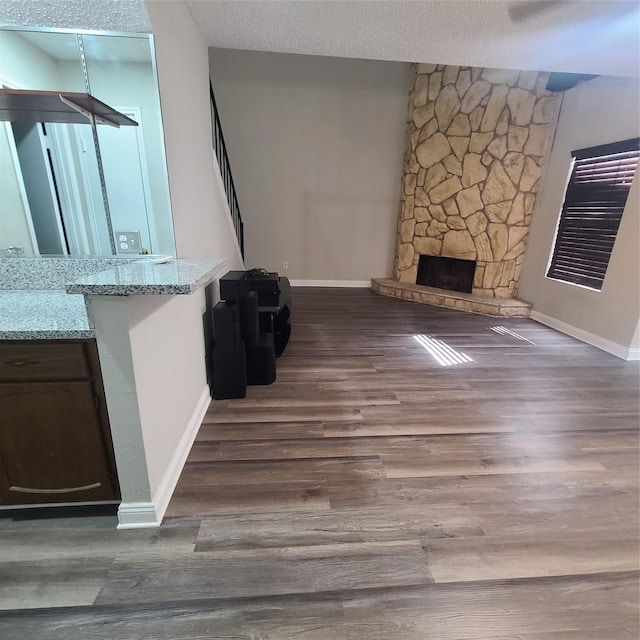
x=29, y=361
x=51, y=444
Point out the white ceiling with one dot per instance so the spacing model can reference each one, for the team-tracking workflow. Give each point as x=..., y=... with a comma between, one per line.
x=582, y=36
x=103, y=48
x=102, y=15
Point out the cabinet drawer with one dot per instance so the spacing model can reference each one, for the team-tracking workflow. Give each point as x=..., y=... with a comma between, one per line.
x=29, y=361
x=52, y=444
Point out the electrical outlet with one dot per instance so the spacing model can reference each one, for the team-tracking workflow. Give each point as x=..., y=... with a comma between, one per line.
x=285, y=265
x=128, y=241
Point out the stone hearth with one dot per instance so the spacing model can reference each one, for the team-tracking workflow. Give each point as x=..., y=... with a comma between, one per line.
x=475, y=144
x=501, y=307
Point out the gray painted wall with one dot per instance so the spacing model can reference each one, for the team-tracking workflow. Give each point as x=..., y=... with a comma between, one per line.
x=315, y=146
x=597, y=112
x=200, y=215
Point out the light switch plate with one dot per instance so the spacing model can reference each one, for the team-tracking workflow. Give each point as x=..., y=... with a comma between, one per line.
x=128, y=241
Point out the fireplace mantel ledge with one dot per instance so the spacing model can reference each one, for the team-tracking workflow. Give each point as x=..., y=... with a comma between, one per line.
x=500, y=307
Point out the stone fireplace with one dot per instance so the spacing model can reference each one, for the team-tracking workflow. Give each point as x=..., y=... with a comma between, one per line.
x=475, y=144
x=452, y=274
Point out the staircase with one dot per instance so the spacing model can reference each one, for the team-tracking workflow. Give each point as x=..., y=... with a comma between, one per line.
x=225, y=172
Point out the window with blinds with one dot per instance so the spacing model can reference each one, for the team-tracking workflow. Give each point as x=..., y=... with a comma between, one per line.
x=593, y=204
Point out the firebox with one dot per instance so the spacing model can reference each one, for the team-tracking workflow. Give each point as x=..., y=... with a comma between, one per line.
x=446, y=273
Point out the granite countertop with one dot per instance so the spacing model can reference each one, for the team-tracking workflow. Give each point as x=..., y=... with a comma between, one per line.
x=42, y=315
x=178, y=276
x=27, y=313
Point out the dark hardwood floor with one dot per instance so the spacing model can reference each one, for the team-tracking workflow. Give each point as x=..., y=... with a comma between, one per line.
x=373, y=493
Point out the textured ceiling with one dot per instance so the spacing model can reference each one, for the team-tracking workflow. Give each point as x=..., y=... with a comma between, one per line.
x=106, y=48
x=583, y=36
x=98, y=15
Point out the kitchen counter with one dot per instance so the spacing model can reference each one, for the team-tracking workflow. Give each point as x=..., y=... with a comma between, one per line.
x=52, y=272
x=33, y=314
x=52, y=313
x=148, y=320
x=177, y=276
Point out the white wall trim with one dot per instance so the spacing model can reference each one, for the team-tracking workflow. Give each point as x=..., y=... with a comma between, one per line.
x=332, y=283
x=586, y=336
x=141, y=515
x=172, y=474
x=633, y=354
x=137, y=515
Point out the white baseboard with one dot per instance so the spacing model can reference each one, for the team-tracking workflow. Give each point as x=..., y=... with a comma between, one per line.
x=634, y=354
x=140, y=515
x=586, y=336
x=172, y=474
x=137, y=515
x=359, y=284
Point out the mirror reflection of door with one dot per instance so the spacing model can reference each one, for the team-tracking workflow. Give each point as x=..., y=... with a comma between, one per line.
x=17, y=235
x=38, y=178
x=84, y=219
x=126, y=177
x=52, y=175
x=59, y=170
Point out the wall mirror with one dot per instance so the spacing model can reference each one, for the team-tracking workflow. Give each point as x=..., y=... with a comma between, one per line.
x=84, y=189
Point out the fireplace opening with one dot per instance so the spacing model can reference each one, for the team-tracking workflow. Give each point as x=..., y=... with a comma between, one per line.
x=446, y=273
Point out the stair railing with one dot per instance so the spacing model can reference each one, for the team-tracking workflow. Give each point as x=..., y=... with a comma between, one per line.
x=225, y=171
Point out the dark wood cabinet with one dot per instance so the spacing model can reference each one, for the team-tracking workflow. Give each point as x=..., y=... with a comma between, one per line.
x=55, y=444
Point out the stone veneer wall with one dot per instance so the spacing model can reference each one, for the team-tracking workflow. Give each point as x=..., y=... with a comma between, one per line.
x=474, y=149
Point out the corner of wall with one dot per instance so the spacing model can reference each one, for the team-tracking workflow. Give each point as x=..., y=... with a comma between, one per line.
x=615, y=349
x=200, y=224
x=476, y=139
x=601, y=111
x=147, y=515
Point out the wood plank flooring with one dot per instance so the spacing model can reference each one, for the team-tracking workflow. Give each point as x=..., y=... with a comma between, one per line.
x=372, y=493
